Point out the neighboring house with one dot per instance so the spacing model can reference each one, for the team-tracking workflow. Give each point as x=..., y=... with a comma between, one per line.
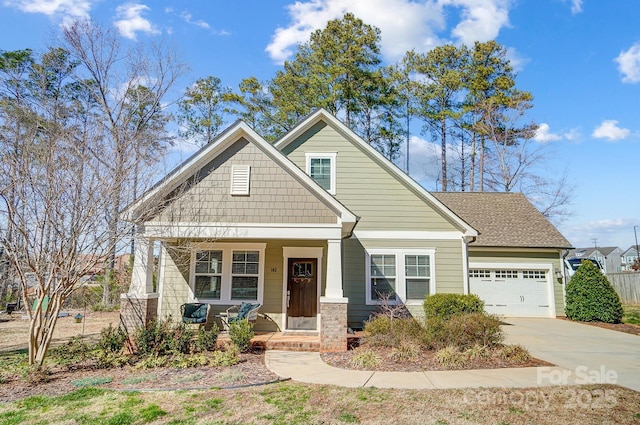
x=319, y=227
x=628, y=257
x=609, y=257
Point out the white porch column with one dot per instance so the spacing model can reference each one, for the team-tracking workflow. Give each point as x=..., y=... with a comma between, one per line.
x=333, y=291
x=142, y=273
x=140, y=305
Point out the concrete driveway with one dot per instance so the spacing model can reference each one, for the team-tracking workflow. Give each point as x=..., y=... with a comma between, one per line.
x=589, y=353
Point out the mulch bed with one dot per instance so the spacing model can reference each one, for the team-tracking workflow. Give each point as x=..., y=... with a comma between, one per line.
x=426, y=360
x=250, y=371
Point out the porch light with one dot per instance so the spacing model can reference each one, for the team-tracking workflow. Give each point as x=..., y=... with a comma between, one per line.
x=559, y=276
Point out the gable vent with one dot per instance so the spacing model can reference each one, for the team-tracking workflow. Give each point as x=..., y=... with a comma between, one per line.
x=240, y=179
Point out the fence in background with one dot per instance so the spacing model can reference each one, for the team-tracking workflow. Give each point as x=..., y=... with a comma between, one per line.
x=627, y=285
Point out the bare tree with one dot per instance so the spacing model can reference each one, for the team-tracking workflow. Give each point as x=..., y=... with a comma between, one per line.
x=75, y=126
x=128, y=87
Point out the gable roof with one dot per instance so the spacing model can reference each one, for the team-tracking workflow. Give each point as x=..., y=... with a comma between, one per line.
x=587, y=252
x=504, y=219
x=210, y=151
x=322, y=115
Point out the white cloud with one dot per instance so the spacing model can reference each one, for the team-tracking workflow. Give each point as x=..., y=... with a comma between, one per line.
x=576, y=7
x=129, y=20
x=629, y=64
x=188, y=18
x=404, y=24
x=481, y=19
x=544, y=134
x=609, y=130
x=68, y=9
x=608, y=232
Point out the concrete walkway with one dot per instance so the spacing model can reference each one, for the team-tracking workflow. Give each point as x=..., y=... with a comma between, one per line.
x=309, y=367
x=565, y=344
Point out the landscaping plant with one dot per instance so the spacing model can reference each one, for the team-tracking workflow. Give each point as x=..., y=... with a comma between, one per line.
x=444, y=306
x=591, y=297
x=240, y=333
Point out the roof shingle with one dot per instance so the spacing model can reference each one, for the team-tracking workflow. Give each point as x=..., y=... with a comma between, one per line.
x=503, y=219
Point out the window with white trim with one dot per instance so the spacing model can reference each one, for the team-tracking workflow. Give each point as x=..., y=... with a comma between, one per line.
x=417, y=273
x=208, y=274
x=228, y=273
x=244, y=275
x=321, y=167
x=383, y=277
x=401, y=275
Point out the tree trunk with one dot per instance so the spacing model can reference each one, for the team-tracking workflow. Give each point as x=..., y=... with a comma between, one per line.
x=443, y=135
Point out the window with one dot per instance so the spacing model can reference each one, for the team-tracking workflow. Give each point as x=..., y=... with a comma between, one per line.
x=506, y=274
x=480, y=273
x=383, y=276
x=534, y=274
x=406, y=274
x=228, y=273
x=244, y=272
x=208, y=275
x=322, y=168
x=416, y=274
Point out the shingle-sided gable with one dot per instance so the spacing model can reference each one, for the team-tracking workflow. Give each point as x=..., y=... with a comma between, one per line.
x=504, y=219
x=274, y=195
x=372, y=187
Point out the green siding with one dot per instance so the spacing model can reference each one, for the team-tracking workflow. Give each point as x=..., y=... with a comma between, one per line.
x=449, y=275
x=175, y=285
x=533, y=257
x=381, y=200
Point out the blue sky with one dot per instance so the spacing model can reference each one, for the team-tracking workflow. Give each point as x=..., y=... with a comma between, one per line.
x=579, y=58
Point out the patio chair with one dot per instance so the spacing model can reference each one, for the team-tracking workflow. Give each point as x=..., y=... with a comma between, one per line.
x=195, y=313
x=244, y=311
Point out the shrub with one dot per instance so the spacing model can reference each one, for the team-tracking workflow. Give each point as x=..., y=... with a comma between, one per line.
x=155, y=338
x=450, y=358
x=240, y=333
x=151, y=361
x=516, y=353
x=384, y=331
x=467, y=330
x=406, y=351
x=109, y=359
x=444, y=306
x=76, y=350
x=180, y=341
x=478, y=352
x=591, y=298
x=112, y=339
x=366, y=359
x=206, y=339
x=227, y=357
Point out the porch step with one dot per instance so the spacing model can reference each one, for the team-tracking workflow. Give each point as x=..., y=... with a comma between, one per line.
x=287, y=342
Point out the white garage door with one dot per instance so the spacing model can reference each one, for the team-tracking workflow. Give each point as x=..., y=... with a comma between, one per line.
x=513, y=292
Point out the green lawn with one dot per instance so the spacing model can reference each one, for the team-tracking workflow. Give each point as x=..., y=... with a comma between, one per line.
x=631, y=314
x=293, y=403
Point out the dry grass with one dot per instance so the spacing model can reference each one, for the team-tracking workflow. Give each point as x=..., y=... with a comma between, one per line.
x=14, y=329
x=293, y=403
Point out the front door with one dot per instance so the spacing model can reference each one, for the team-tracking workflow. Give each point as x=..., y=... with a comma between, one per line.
x=302, y=293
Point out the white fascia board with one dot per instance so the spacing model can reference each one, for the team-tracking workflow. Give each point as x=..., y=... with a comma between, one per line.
x=508, y=265
x=321, y=114
x=244, y=231
x=191, y=165
x=228, y=137
x=408, y=235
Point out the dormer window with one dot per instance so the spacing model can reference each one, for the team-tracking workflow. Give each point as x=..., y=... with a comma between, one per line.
x=322, y=168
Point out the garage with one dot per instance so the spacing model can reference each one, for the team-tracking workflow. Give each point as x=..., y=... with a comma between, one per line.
x=513, y=290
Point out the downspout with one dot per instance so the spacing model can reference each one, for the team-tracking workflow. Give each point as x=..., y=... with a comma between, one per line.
x=564, y=277
x=466, y=240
